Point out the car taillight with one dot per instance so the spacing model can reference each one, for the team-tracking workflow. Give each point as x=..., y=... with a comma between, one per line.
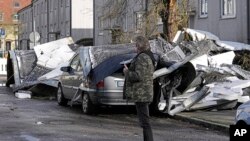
x=100, y=84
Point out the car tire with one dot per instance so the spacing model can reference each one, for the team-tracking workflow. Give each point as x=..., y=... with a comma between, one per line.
x=241, y=123
x=87, y=106
x=61, y=100
x=156, y=99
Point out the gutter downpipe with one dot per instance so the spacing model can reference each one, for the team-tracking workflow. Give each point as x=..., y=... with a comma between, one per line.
x=94, y=28
x=48, y=25
x=248, y=22
x=146, y=10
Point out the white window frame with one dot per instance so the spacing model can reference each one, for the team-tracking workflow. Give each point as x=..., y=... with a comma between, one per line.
x=228, y=10
x=15, y=17
x=100, y=25
x=139, y=18
x=203, y=8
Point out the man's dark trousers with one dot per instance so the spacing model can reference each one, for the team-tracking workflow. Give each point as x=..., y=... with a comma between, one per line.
x=143, y=115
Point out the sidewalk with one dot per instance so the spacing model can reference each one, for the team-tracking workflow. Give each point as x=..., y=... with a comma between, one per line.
x=219, y=120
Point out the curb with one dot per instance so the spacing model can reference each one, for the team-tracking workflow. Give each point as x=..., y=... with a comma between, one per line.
x=204, y=123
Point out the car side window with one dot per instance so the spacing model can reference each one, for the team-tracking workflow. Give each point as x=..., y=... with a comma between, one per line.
x=75, y=62
x=79, y=68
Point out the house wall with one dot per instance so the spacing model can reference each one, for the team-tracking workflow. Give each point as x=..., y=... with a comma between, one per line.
x=232, y=29
x=82, y=19
x=9, y=24
x=8, y=9
x=59, y=19
x=56, y=19
x=125, y=21
x=25, y=18
x=40, y=24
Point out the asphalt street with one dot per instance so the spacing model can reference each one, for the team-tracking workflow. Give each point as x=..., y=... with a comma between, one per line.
x=43, y=120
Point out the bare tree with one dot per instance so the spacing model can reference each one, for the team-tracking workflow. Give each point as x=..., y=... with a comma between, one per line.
x=173, y=14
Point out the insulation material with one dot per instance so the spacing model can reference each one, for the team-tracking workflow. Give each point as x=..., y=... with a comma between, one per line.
x=223, y=58
x=202, y=60
x=198, y=35
x=229, y=45
x=243, y=99
x=179, y=36
x=52, y=54
x=23, y=94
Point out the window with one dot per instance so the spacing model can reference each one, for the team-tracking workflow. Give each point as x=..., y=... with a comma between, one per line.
x=74, y=63
x=16, y=4
x=125, y=22
x=79, y=68
x=15, y=17
x=100, y=24
x=203, y=9
x=139, y=21
x=8, y=45
x=228, y=8
x=159, y=21
x=1, y=16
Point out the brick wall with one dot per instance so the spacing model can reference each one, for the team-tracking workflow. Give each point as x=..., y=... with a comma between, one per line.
x=10, y=7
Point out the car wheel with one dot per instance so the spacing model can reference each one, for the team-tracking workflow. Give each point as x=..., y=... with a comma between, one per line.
x=87, y=106
x=61, y=100
x=159, y=104
x=241, y=123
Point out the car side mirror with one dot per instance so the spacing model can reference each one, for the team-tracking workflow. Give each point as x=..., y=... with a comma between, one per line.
x=66, y=69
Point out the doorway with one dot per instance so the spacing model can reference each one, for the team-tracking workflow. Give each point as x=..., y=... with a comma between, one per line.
x=8, y=45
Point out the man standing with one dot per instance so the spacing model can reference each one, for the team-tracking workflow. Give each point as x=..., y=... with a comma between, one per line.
x=139, y=84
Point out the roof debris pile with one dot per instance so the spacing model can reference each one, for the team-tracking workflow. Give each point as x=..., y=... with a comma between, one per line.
x=222, y=75
x=28, y=66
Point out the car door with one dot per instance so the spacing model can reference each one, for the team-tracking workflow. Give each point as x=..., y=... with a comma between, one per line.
x=68, y=77
x=77, y=79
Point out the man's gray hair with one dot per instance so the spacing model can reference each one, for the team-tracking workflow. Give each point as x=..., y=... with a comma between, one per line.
x=142, y=43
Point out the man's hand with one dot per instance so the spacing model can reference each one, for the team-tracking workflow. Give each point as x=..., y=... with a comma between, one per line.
x=125, y=69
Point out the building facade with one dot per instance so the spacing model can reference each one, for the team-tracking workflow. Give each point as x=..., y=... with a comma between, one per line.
x=9, y=23
x=56, y=19
x=228, y=19
x=118, y=21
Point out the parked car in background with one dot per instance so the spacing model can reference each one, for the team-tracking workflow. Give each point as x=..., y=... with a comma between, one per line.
x=243, y=114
